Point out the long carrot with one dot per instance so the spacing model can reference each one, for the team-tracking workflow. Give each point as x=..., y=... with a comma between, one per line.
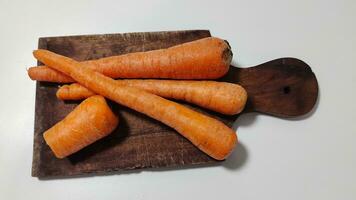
x=208, y=134
x=87, y=123
x=44, y=73
x=207, y=58
x=226, y=98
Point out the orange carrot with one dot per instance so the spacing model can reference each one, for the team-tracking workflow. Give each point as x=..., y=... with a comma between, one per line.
x=226, y=98
x=207, y=58
x=208, y=134
x=87, y=123
x=44, y=73
x=73, y=91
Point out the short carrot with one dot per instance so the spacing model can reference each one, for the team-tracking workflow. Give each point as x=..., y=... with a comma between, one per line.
x=73, y=91
x=225, y=98
x=208, y=134
x=87, y=123
x=207, y=58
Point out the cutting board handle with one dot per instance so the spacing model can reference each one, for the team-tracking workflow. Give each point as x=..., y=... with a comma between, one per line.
x=284, y=87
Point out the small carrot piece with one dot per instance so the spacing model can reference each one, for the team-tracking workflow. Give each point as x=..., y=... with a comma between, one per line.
x=73, y=91
x=207, y=58
x=225, y=98
x=88, y=122
x=208, y=134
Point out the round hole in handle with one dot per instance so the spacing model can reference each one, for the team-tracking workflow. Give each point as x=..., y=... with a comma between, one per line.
x=286, y=90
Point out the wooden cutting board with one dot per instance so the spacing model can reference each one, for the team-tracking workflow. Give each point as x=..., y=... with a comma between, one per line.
x=285, y=87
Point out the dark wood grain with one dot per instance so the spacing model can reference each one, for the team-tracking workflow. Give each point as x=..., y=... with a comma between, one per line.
x=284, y=87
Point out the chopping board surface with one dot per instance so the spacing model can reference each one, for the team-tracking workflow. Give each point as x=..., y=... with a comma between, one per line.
x=284, y=87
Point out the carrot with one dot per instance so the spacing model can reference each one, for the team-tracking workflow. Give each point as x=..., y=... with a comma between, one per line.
x=73, y=91
x=207, y=58
x=208, y=134
x=226, y=98
x=44, y=73
x=87, y=123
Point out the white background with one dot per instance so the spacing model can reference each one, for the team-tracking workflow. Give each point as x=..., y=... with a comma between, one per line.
x=310, y=158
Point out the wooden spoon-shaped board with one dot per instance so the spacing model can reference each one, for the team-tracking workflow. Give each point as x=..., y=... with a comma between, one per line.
x=284, y=87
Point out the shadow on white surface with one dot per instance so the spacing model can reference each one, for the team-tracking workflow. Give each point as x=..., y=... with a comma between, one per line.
x=235, y=64
x=237, y=159
x=245, y=119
